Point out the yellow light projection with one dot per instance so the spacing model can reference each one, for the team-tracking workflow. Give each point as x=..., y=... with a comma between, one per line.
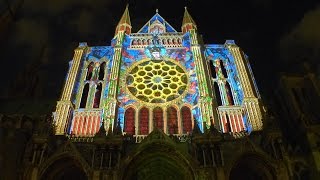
x=157, y=81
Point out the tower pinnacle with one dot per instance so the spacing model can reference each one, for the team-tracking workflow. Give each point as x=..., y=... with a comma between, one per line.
x=187, y=22
x=124, y=23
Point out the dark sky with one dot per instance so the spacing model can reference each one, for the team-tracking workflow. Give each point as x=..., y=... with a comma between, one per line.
x=39, y=42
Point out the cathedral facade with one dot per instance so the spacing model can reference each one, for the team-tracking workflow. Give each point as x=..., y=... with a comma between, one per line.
x=158, y=104
x=158, y=77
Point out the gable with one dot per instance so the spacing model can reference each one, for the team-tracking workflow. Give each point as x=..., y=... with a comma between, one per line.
x=157, y=22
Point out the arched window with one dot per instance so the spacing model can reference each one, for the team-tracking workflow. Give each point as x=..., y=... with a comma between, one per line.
x=144, y=121
x=164, y=41
x=217, y=92
x=102, y=69
x=84, y=97
x=223, y=69
x=129, y=117
x=186, y=119
x=213, y=69
x=229, y=93
x=89, y=71
x=172, y=118
x=158, y=117
x=179, y=41
x=97, y=96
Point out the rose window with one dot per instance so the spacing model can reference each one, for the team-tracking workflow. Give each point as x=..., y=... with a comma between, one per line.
x=155, y=81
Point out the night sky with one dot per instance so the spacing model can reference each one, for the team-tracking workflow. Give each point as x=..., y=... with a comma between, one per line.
x=38, y=44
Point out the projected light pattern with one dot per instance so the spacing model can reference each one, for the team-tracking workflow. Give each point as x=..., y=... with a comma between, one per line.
x=157, y=81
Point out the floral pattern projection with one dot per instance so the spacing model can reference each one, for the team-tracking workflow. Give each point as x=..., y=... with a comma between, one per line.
x=217, y=53
x=182, y=55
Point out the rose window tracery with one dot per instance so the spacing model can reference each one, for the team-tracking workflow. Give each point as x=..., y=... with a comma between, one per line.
x=157, y=81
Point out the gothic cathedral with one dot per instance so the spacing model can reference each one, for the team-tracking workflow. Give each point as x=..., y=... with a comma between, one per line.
x=159, y=104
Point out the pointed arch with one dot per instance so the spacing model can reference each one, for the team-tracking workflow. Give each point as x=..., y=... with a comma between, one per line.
x=102, y=71
x=217, y=92
x=223, y=69
x=229, y=93
x=164, y=41
x=144, y=121
x=84, y=96
x=186, y=120
x=172, y=120
x=158, y=117
x=97, y=96
x=89, y=71
x=129, y=119
x=213, y=69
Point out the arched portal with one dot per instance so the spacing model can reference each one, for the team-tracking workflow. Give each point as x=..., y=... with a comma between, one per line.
x=64, y=168
x=129, y=121
x=251, y=167
x=158, y=162
x=186, y=119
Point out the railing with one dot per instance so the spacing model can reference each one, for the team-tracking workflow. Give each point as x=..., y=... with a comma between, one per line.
x=80, y=139
x=231, y=116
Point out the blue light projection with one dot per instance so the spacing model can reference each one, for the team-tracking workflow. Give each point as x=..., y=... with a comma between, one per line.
x=213, y=52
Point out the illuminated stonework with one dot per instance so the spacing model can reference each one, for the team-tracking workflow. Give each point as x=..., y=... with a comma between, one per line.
x=159, y=77
x=157, y=81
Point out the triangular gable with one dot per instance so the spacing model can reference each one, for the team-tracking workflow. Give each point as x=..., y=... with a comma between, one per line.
x=156, y=17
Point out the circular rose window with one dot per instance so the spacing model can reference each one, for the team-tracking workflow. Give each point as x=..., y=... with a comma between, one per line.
x=156, y=81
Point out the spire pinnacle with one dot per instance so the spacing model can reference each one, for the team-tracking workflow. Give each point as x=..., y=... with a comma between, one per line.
x=187, y=17
x=187, y=22
x=157, y=10
x=125, y=19
x=124, y=23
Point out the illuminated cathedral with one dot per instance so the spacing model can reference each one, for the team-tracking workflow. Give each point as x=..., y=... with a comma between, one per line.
x=159, y=78
x=158, y=104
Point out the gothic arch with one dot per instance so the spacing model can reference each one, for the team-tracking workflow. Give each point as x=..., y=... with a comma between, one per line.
x=229, y=93
x=102, y=71
x=84, y=96
x=172, y=120
x=66, y=163
x=251, y=165
x=90, y=68
x=129, y=117
x=97, y=96
x=223, y=68
x=158, y=119
x=217, y=93
x=186, y=119
x=155, y=158
x=144, y=120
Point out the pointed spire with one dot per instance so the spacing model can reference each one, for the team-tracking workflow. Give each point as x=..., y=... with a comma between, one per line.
x=187, y=22
x=124, y=23
x=102, y=131
x=125, y=19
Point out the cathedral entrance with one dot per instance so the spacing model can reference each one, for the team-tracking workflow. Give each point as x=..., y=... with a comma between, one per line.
x=158, y=161
x=251, y=168
x=65, y=168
